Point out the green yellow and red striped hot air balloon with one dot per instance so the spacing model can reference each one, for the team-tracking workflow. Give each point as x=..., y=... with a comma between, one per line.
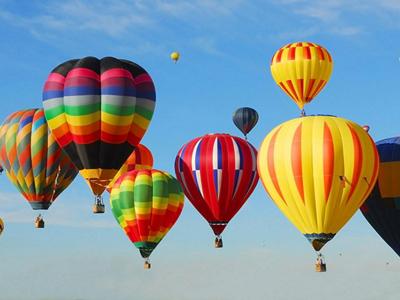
x=33, y=161
x=146, y=204
x=98, y=111
x=140, y=159
x=302, y=70
x=318, y=170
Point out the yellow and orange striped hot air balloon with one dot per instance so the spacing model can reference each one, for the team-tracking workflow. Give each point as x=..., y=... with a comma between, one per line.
x=302, y=70
x=318, y=170
x=140, y=159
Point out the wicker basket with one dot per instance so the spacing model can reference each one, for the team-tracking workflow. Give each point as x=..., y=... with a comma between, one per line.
x=98, y=208
x=39, y=223
x=320, y=267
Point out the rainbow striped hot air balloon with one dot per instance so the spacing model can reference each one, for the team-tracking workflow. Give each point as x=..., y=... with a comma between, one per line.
x=318, y=170
x=302, y=70
x=98, y=111
x=146, y=204
x=33, y=160
x=140, y=159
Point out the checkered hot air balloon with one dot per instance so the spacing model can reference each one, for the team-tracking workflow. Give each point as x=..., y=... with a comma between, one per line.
x=98, y=111
x=146, y=204
x=140, y=159
x=382, y=208
x=318, y=170
x=218, y=173
x=302, y=70
x=33, y=161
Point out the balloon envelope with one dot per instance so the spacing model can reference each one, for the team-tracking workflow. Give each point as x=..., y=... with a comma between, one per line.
x=302, y=70
x=34, y=162
x=140, y=159
x=318, y=170
x=245, y=118
x=218, y=173
x=175, y=56
x=146, y=204
x=98, y=111
x=382, y=208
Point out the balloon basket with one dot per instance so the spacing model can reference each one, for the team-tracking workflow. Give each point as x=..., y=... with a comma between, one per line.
x=98, y=208
x=218, y=242
x=320, y=267
x=147, y=265
x=39, y=223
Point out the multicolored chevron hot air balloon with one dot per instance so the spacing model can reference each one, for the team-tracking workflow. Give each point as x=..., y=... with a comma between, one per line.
x=318, y=170
x=98, y=111
x=146, y=204
x=1, y=226
x=33, y=160
x=382, y=208
x=140, y=159
x=301, y=70
x=245, y=118
x=218, y=173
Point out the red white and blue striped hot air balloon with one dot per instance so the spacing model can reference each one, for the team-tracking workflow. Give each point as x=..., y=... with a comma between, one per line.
x=218, y=173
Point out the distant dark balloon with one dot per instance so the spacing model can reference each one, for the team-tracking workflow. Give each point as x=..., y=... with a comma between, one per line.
x=382, y=208
x=245, y=118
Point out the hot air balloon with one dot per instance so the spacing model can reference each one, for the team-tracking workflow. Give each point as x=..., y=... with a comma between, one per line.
x=318, y=170
x=34, y=162
x=382, y=207
x=301, y=70
x=1, y=226
x=140, y=159
x=98, y=111
x=175, y=56
x=1, y=168
x=218, y=173
x=245, y=118
x=146, y=204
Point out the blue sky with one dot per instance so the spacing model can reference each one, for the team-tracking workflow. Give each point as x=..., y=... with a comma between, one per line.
x=225, y=47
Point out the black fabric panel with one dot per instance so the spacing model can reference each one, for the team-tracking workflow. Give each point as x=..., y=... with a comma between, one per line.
x=384, y=217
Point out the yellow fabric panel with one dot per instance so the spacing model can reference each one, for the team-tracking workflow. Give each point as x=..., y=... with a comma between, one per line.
x=115, y=119
x=57, y=121
x=82, y=120
x=389, y=187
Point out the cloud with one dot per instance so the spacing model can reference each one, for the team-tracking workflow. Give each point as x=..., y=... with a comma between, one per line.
x=207, y=45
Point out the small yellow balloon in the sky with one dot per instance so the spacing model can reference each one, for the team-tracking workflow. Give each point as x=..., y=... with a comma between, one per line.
x=175, y=56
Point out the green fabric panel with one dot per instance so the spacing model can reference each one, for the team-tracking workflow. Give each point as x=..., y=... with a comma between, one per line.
x=54, y=112
x=118, y=110
x=81, y=110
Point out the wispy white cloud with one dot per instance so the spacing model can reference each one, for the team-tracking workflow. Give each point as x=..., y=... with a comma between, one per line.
x=207, y=45
x=205, y=25
x=341, y=17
